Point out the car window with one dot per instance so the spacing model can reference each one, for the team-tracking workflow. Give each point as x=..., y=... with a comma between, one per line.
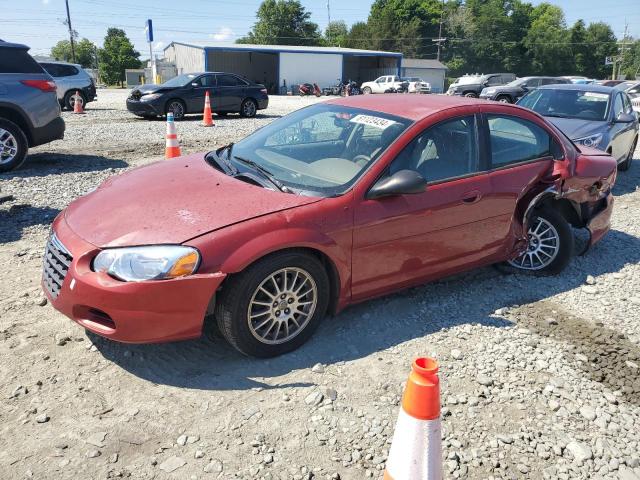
x=532, y=82
x=17, y=60
x=208, y=81
x=514, y=140
x=557, y=102
x=447, y=150
x=494, y=80
x=68, y=70
x=228, y=81
x=628, y=108
x=618, y=106
x=57, y=70
x=381, y=80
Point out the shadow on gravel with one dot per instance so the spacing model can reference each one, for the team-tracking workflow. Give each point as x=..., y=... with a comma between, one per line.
x=14, y=220
x=365, y=329
x=629, y=181
x=43, y=164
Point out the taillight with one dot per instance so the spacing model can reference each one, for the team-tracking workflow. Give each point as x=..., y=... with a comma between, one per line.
x=263, y=90
x=44, y=85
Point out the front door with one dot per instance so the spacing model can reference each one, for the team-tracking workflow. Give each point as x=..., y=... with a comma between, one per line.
x=405, y=239
x=196, y=91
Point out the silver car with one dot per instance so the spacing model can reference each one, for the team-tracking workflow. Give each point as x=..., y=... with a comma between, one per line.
x=590, y=115
x=71, y=78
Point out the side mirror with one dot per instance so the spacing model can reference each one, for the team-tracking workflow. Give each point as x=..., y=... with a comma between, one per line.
x=625, y=118
x=403, y=182
x=195, y=84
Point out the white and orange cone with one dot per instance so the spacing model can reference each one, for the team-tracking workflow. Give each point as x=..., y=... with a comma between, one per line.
x=207, y=117
x=77, y=103
x=172, y=148
x=416, y=450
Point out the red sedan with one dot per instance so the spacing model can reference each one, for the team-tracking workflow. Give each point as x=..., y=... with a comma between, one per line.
x=331, y=205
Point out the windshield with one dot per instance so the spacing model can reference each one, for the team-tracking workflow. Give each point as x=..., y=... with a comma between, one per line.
x=518, y=82
x=180, y=80
x=320, y=150
x=568, y=104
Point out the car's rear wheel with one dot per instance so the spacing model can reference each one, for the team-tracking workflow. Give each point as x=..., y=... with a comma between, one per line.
x=550, y=243
x=13, y=146
x=275, y=305
x=470, y=95
x=177, y=107
x=366, y=90
x=70, y=100
x=626, y=164
x=504, y=99
x=248, y=108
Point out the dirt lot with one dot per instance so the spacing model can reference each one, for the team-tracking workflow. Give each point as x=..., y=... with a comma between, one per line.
x=540, y=376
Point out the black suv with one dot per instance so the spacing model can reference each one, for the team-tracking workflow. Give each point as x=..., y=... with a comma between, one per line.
x=185, y=94
x=29, y=109
x=472, y=86
x=512, y=92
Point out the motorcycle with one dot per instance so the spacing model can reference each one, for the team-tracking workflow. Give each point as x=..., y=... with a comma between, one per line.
x=309, y=89
x=334, y=90
x=350, y=88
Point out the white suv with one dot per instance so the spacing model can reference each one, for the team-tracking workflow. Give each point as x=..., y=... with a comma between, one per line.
x=71, y=78
x=386, y=83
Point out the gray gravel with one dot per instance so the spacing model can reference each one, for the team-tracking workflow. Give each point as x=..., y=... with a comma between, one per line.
x=540, y=376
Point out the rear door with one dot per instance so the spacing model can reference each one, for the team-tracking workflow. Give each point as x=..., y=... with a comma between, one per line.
x=231, y=90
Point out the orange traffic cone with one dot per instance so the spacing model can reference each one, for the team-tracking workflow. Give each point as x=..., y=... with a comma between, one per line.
x=172, y=148
x=77, y=103
x=416, y=450
x=207, y=117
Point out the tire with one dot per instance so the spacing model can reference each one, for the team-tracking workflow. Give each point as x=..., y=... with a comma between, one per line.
x=178, y=108
x=560, y=228
x=366, y=90
x=13, y=146
x=470, y=95
x=626, y=164
x=69, y=99
x=236, y=303
x=504, y=99
x=249, y=108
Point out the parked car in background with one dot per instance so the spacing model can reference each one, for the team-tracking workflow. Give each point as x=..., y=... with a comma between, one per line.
x=71, y=78
x=633, y=90
x=609, y=83
x=384, y=84
x=416, y=85
x=29, y=110
x=591, y=116
x=333, y=204
x=185, y=94
x=472, y=86
x=579, y=80
x=513, y=91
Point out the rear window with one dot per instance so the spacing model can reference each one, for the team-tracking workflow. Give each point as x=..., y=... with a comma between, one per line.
x=58, y=70
x=17, y=60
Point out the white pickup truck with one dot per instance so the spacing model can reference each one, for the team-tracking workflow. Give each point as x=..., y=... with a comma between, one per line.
x=383, y=84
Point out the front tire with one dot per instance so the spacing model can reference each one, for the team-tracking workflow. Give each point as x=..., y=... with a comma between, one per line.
x=504, y=99
x=177, y=107
x=275, y=305
x=366, y=90
x=550, y=244
x=626, y=164
x=470, y=95
x=249, y=108
x=13, y=146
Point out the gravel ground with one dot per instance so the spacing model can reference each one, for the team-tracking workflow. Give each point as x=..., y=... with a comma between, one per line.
x=540, y=376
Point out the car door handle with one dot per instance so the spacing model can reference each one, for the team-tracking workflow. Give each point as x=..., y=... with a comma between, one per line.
x=471, y=197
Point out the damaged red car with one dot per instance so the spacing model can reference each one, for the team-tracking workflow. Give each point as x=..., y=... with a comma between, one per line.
x=331, y=205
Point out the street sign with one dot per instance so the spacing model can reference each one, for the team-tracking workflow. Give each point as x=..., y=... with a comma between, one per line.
x=608, y=61
x=148, y=30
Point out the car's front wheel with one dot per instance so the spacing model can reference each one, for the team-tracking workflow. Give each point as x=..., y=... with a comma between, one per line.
x=366, y=90
x=504, y=99
x=470, y=95
x=13, y=145
x=626, y=163
x=177, y=107
x=550, y=243
x=274, y=305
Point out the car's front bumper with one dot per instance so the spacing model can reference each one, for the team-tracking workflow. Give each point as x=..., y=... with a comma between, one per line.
x=144, y=109
x=600, y=219
x=132, y=312
x=487, y=97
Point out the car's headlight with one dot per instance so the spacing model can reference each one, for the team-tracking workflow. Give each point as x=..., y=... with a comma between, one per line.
x=136, y=264
x=590, y=141
x=150, y=96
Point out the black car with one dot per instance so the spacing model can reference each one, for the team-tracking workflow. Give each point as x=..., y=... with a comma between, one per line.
x=512, y=92
x=185, y=94
x=472, y=86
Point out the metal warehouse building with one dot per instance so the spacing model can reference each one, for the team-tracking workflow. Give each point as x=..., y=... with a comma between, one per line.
x=273, y=65
x=431, y=71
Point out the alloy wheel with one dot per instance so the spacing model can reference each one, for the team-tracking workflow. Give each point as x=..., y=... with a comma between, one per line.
x=8, y=146
x=544, y=245
x=177, y=109
x=282, y=305
x=249, y=109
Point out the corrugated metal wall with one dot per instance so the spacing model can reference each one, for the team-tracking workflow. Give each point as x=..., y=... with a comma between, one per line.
x=323, y=69
x=186, y=59
x=430, y=75
x=256, y=66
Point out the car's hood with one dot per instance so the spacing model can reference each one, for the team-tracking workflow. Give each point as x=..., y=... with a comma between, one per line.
x=505, y=89
x=144, y=89
x=171, y=201
x=575, y=128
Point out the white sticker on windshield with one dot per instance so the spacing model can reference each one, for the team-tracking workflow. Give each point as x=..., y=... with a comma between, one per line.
x=377, y=122
x=601, y=96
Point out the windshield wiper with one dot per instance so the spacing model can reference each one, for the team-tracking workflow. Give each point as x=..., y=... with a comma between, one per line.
x=265, y=173
x=223, y=162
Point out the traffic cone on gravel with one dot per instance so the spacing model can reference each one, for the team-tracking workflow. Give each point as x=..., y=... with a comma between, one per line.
x=172, y=148
x=207, y=117
x=416, y=450
x=77, y=103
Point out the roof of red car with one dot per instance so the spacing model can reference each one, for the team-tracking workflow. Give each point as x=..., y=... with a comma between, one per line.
x=411, y=106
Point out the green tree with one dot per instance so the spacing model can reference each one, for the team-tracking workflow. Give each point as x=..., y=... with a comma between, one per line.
x=601, y=43
x=283, y=22
x=359, y=36
x=631, y=66
x=117, y=55
x=85, y=52
x=336, y=33
x=579, y=47
x=547, y=41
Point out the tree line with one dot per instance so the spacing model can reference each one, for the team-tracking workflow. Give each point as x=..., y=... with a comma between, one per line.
x=481, y=35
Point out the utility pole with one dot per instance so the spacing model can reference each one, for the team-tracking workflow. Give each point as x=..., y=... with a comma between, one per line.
x=73, y=47
x=624, y=42
x=329, y=21
x=440, y=39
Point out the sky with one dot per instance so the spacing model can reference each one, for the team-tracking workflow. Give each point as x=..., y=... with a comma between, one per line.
x=38, y=23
